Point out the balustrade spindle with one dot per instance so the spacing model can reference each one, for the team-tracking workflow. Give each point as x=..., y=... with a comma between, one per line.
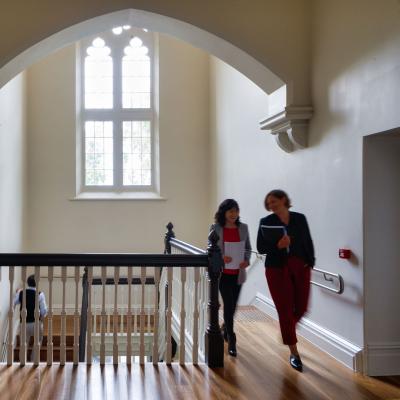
x=115, y=320
x=123, y=311
x=95, y=311
x=89, y=351
x=183, y=316
x=23, y=313
x=142, y=313
x=189, y=300
x=169, y=315
x=195, y=334
x=202, y=308
x=135, y=317
x=129, y=319
x=103, y=317
x=50, y=346
x=36, y=346
x=63, y=318
x=76, y=318
x=10, y=340
x=157, y=273
x=108, y=310
x=148, y=307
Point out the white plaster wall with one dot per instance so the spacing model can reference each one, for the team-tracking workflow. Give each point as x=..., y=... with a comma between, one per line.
x=382, y=252
x=356, y=75
x=57, y=224
x=12, y=179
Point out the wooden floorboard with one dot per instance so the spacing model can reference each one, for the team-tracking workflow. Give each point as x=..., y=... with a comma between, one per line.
x=260, y=372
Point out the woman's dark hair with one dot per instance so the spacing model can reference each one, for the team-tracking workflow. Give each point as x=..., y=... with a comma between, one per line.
x=279, y=194
x=223, y=208
x=31, y=281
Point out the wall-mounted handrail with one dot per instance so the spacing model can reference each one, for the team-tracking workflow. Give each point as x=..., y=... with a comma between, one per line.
x=328, y=276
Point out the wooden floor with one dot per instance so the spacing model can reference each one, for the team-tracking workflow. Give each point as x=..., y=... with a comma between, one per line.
x=261, y=371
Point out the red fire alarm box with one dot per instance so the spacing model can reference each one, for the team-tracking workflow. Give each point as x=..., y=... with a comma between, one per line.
x=345, y=253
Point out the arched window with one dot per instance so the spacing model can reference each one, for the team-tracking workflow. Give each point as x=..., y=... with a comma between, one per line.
x=116, y=151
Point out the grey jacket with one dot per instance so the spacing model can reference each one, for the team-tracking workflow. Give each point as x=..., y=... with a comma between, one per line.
x=244, y=236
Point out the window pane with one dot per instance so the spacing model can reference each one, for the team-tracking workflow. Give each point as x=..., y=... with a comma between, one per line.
x=98, y=153
x=136, y=153
x=98, y=76
x=136, y=72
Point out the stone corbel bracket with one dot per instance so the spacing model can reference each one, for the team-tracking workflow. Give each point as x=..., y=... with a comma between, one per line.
x=290, y=127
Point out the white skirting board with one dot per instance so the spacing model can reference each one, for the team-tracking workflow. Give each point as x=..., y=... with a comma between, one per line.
x=338, y=347
x=382, y=359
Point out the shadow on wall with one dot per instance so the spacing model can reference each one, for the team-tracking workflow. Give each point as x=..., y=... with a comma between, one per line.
x=352, y=295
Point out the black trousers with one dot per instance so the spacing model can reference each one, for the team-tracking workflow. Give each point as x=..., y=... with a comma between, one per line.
x=230, y=291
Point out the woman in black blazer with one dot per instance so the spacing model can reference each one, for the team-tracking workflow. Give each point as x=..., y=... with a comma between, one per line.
x=289, y=258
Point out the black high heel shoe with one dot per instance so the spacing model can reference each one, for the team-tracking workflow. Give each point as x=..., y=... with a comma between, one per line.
x=295, y=362
x=232, y=345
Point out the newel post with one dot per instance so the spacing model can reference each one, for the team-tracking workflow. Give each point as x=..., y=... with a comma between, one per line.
x=168, y=235
x=214, y=346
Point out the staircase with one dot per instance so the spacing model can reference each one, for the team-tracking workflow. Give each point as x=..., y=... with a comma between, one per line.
x=69, y=338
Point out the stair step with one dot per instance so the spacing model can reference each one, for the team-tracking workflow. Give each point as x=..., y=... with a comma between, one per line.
x=69, y=354
x=69, y=340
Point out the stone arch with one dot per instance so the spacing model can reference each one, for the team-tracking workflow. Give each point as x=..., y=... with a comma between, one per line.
x=288, y=122
x=227, y=52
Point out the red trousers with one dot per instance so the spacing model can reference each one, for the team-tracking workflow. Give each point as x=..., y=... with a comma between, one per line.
x=290, y=289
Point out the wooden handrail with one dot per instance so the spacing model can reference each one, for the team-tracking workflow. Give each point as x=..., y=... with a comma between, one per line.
x=103, y=259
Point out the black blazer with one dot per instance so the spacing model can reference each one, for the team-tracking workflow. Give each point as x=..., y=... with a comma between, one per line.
x=300, y=238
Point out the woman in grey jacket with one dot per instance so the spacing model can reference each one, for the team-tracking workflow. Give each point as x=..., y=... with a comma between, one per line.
x=230, y=229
